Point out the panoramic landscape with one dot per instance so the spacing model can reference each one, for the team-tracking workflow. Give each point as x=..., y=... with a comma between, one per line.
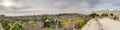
x=59, y=15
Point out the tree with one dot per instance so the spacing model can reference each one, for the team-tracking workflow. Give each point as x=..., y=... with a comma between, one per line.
x=104, y=15
x=111, y=14
x=52, y=23
x=93, y=15
x=115, y=18
x=44, y=18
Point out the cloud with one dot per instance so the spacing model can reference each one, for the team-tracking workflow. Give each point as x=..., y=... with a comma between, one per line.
x=57, y=6
x=49, y=7
x=12, y=4
x=108, y=4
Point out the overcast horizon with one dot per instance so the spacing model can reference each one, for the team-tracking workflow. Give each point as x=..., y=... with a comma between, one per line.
x=33, y=7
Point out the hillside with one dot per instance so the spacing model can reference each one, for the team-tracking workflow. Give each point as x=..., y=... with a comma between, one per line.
x=36, y=22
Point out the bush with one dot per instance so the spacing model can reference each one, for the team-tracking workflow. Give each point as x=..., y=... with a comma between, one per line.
x=9, y=25
x=47, y=28
x=93, y=15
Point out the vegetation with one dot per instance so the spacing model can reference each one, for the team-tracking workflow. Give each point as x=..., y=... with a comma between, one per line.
x=93, y=15
x=48, y=22
x=9, y=25
x=104, y=15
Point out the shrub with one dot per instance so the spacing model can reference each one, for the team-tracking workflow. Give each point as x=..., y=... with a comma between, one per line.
x=9, y=25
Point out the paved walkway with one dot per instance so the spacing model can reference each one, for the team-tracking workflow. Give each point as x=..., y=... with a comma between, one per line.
x=102, y=24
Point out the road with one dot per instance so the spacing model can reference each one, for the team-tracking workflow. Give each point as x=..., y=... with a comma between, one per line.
x=102, y=24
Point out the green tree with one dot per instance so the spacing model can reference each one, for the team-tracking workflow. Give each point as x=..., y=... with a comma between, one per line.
x=93, y=15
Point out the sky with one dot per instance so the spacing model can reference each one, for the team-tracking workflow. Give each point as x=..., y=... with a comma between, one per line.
x=35, y=7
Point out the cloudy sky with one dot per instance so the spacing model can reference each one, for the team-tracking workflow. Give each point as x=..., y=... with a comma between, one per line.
x=34, y=7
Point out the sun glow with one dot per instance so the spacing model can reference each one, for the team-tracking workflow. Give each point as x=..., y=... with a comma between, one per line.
x=7, y=3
